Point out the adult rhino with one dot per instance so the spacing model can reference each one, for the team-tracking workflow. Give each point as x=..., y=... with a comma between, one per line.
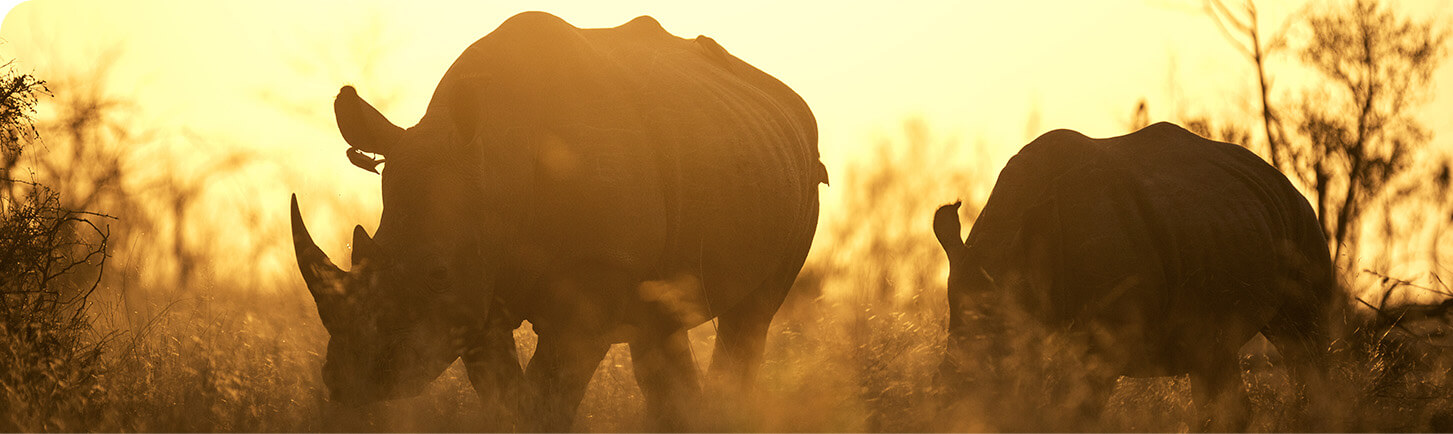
x=608, y=185
x=1161, y=251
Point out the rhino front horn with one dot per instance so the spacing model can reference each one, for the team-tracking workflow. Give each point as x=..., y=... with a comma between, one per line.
x=322, y=276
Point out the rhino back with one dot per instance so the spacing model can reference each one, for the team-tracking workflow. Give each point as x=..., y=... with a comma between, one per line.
x=1167, y=239
x=633, y=147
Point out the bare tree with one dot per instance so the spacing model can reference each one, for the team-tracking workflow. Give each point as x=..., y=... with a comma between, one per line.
x=1358, y=132
x=1203, y=125
x=1352, y=133
x=1243, y=30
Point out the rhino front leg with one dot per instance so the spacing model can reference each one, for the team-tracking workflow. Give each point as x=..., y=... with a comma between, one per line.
x=1220, y=398
x=561, y=368
x=495, y=372
x=1300, y=335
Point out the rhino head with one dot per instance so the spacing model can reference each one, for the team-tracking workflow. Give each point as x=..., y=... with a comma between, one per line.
x=394, y=319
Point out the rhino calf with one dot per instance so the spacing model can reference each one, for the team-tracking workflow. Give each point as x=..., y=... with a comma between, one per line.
x=1161, y=251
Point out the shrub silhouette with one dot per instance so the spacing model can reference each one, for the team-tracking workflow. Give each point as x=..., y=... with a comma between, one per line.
x=50, y=259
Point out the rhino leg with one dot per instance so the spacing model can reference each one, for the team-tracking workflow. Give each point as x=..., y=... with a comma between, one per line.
x=558, y=373
x=494, y=371
x=1304, y=347
x=1220, y=398
x=741, y=334
x=667, y=374
x=1089, y=410
x=741, y=339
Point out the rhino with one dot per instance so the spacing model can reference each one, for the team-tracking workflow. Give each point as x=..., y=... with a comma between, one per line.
x=607, y=185
x=1160, y=251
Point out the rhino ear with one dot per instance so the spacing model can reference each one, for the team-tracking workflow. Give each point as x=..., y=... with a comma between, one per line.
x=362, y=126
x=946, y=227
x=363, y=246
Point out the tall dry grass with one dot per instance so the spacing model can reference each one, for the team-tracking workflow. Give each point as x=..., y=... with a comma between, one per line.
x=855, y=347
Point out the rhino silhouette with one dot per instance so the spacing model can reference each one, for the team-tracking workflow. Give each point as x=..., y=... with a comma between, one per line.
x=607, y=185
x=1162, y=251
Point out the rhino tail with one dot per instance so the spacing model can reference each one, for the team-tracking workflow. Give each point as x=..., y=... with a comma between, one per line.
x=947, y=228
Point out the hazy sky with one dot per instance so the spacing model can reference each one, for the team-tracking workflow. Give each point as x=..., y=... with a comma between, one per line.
x=972, y=69
x=262, y=74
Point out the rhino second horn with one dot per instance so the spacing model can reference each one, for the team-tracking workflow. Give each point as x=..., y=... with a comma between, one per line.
x=363, y=247
x=323, y=278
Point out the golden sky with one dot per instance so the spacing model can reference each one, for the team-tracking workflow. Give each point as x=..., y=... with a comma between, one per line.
x=262, y=74
x=972, y=69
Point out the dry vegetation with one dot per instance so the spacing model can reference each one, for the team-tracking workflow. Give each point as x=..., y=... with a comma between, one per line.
x=171, y=342
x=854, y=349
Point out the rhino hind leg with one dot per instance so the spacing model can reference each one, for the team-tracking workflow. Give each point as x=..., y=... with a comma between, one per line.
x=741, y=337
x=666, y=372
x=741, y=333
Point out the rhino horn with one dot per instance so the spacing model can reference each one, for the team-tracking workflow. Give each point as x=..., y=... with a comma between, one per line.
x=323, y=278
x=363, y=246
x=362, y=126
x=946, y=227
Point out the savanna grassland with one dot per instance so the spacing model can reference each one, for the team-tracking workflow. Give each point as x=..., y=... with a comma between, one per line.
x=855, y=348
x=120, y=314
